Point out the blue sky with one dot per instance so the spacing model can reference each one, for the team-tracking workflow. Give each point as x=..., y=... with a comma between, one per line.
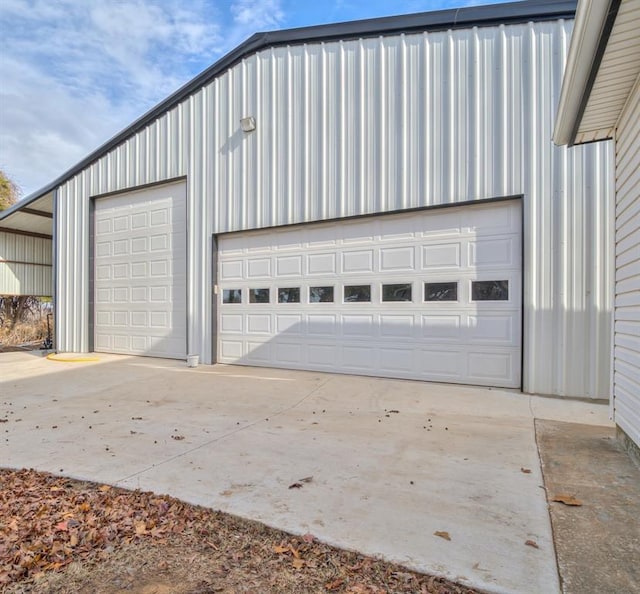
x=75, y=72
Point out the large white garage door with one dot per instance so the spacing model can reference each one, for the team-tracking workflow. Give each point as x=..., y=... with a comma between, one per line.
x=431, y=295
x=140, y=272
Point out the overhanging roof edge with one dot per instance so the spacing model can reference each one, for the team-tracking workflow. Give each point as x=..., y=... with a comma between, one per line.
x=594, y=23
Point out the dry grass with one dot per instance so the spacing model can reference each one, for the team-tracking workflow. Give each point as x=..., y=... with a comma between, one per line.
x=33, y=331
x=111, y=540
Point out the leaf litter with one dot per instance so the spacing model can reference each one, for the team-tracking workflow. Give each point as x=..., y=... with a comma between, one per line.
x=60, y=535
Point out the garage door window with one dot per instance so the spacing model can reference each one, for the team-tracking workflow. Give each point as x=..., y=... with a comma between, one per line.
x=490, y=290
x=289, y=295
x=320, y=294
x=232, y=296
x=258, y=295
x=357, y=293
x=441, y=291
x=396, y=292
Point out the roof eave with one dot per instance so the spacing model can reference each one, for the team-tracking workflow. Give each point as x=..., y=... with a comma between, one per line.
x=593, y=24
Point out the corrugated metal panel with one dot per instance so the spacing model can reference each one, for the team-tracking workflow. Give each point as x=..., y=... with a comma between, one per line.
x=626, y=377
x=616, y=76
x=25, y=265
x=376, y=125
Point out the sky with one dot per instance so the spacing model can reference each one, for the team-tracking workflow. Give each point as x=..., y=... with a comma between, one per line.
x=76, y=72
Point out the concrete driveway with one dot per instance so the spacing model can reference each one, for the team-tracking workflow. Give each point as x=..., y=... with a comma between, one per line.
x=392, y=461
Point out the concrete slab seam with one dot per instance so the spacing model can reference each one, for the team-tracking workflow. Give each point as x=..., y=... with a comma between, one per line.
x=224, y=436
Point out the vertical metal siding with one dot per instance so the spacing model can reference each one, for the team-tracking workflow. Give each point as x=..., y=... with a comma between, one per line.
x=626, y=378
x=25, y=265
x=374, y=125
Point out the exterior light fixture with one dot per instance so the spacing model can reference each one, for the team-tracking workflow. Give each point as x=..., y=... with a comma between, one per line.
x=248, y=124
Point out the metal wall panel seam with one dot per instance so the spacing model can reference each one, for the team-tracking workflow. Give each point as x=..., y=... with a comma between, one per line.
x=472, y=124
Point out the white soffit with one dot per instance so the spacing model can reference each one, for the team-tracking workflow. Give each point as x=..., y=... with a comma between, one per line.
x=30, y=217
x=591, y=103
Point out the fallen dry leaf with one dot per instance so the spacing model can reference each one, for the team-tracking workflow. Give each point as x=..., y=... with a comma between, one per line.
x=104, y=488
x=141, y=528
x=300, y=482
x=531, y=543
x=442, y=534
x=111, y=533
x=566, y=499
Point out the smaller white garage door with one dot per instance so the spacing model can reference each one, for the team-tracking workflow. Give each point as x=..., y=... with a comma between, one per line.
x=140, y=272
x=432, y=295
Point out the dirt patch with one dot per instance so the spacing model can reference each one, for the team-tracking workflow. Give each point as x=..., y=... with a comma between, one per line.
x=59, y=536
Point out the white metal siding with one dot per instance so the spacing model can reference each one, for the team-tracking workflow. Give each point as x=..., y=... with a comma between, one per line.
x=458, y=340
x=140, y=272
x=25, y=265
x=374, y=125
x=626, y=377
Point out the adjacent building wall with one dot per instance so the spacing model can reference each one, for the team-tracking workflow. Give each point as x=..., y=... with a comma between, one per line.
x=626, y=378
x=377, y=125
x=25, y=265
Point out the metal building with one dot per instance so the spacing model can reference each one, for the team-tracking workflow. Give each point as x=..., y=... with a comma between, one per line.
x=601, y=100
x=378, y=197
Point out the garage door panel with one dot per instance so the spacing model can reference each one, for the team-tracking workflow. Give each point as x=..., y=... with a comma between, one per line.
x=441, y=364
x=321, y=264
x=397, y=326
x=398, y=361
x=140, y=272
x=357, y=358
x=288, y=353
x=321, y=325
x=231, y=350
x=357, y=261
x=492, y=366
x=492, y=328
x=439, y=256
x=492, y=253
x=321, y=356
x=288, y=266
x=441, y=327
x=289, y=324
x=397, y=259
x=358, y=326
x=455, y=331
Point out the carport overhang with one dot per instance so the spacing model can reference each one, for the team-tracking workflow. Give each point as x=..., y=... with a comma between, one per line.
x=26, y=247
x=603, y=69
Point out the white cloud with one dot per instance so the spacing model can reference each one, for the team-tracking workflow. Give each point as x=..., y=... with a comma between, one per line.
x=257, y=15
x=76, y=72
